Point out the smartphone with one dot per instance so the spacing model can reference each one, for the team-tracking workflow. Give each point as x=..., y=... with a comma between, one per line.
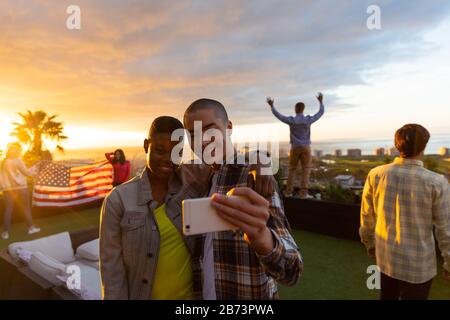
x=199, y=216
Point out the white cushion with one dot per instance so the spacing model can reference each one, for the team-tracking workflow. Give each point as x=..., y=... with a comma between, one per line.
x=24, y=255
x=89, y=250
x=58, y=246
x=47, y=267
x=93, y=264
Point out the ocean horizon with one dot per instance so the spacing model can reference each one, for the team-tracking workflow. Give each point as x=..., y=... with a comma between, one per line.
x=367, y=147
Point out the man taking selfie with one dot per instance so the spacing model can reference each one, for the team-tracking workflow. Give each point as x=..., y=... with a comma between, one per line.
x=246, y=264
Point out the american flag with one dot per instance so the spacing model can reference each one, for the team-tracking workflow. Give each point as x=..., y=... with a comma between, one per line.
x=59, y=185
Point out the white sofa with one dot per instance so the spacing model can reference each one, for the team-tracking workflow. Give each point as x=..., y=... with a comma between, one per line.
x=50, y=257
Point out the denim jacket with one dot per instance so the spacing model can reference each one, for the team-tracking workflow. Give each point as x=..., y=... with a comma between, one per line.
x=129, y=237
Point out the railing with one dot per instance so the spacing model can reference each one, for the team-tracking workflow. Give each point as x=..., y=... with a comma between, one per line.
x=329, y=218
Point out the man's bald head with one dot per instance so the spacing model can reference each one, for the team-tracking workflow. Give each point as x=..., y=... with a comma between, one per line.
x=208, y=104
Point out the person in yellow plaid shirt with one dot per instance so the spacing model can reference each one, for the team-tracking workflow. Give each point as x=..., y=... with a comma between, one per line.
x=401, y=203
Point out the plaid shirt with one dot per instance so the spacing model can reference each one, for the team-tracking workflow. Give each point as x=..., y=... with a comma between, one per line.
x=401, y=203
x=240, y=273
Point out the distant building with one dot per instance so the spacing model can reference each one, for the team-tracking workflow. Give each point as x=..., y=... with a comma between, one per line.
x=318, y=153
x=354, y=152
x=393, y=152
x=379, y=152
x=345, y=180
x=444, y=152
x=337, y=153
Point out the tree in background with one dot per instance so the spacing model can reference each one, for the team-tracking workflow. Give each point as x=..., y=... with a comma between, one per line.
x=335, y=193
x=33, y=128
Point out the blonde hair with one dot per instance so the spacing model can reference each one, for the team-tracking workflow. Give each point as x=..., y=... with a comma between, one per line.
x=10, y=147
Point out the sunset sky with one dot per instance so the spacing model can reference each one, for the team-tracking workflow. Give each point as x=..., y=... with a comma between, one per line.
x=135, y=60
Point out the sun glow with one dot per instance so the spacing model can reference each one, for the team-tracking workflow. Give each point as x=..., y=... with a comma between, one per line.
x=5, y=130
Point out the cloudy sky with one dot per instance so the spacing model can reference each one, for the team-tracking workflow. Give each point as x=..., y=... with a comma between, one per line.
x=135, y=60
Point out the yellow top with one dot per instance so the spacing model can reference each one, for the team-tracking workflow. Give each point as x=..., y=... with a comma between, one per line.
x=173, y=277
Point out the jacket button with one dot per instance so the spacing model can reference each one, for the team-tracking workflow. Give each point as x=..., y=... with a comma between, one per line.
x=145, y=281
x=150, y=255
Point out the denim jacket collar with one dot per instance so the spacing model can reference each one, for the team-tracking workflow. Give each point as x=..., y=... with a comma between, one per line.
x=145, y=188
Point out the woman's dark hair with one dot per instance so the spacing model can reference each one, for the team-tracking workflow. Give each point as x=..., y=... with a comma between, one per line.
x=121, y=159
x=411, y=140
x=12, y=146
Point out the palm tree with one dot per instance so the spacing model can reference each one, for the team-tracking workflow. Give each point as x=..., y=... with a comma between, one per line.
x=34, y=127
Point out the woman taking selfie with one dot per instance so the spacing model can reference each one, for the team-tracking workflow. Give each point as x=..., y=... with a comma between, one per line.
x=143, y=254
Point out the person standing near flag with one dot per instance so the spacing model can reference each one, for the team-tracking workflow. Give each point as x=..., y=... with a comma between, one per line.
x=15, y=188
x=121, y=166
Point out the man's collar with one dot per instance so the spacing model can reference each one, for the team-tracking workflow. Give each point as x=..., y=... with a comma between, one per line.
x=399, y=160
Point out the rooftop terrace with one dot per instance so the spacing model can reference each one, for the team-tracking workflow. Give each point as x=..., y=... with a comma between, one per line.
x=335, y=268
